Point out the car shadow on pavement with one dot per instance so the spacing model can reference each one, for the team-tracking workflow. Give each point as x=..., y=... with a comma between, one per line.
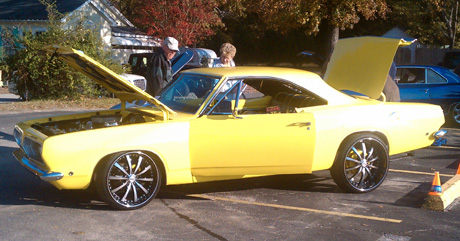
x=416, y=197
x=20, y=187
x=413, y=199
x=6, y=137
x=298, y=182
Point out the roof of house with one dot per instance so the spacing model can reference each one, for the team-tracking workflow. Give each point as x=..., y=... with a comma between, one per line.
x=126, y=30
x=33, y=9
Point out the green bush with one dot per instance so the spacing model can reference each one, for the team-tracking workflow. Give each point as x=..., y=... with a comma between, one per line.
x=39, y=76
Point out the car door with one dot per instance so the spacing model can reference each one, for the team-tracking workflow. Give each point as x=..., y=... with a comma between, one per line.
x=253, y=143
x=412, y=84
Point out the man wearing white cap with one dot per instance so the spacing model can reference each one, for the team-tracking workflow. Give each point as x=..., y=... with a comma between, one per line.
x=159, y=72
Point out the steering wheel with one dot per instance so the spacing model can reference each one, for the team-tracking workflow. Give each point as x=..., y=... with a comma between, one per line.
x=182, y=89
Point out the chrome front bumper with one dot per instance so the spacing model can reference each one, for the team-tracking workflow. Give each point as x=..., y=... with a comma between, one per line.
x=29, y=165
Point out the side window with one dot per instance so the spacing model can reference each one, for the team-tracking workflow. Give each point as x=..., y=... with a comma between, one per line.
x=226, y=97
x=411, y=75
x=398, y=75
x=144, y=62
x=261, y=96
x=134, y=62
x=434, y=78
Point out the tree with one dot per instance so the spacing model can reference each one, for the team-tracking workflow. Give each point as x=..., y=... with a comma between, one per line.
x=187, y=20
x=313, y=14
x=128, y=8
x=40, y=76
x=432, y=22
x=447, y=11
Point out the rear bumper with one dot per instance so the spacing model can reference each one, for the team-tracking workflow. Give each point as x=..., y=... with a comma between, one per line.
x=29, y=165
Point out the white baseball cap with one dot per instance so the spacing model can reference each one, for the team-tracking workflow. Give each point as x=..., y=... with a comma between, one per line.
x=171, y=43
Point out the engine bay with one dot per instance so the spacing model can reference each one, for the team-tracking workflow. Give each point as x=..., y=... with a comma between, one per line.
x=93, y=121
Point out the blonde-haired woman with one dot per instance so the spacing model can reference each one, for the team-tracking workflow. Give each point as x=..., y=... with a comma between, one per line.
x=227, y=53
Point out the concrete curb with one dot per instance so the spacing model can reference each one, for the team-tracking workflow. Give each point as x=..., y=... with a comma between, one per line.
x=450, y=192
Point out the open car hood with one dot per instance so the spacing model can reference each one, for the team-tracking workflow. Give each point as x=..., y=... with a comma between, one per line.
x=113, y=82
x=362, y=64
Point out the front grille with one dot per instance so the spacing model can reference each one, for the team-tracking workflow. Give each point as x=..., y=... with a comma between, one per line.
x=140, y=83
x=33, y=149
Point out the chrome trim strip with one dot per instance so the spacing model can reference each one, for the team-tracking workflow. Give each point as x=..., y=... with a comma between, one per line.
x=44, y=175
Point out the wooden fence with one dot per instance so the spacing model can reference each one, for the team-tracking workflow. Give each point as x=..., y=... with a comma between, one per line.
x=423, y=56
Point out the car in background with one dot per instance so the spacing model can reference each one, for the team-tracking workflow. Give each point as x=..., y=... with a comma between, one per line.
x=309, y=56
x=200, y=57
x=137, y=80
x=430, y=84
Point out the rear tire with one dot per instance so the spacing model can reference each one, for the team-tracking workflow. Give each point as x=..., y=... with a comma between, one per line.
x=361, y=163
x=128, y=180
x=454, y=114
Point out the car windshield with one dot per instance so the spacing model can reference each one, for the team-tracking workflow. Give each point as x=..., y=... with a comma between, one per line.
x=188, y=92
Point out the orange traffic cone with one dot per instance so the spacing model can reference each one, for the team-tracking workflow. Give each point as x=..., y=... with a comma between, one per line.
x=436, y=186
x=458, y=170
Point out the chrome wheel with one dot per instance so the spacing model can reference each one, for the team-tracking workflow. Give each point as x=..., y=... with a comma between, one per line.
x=361, y=164
x=129, y=180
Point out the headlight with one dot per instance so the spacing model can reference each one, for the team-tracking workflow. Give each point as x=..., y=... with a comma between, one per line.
x=18, y=135
x=33, y=149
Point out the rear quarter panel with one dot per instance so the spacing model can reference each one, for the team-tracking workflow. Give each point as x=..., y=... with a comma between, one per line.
x=404, y=127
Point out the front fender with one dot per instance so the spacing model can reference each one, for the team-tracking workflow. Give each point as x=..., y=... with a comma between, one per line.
x=77, y=154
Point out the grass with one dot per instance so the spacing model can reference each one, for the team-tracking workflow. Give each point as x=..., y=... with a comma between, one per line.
x=45, y=105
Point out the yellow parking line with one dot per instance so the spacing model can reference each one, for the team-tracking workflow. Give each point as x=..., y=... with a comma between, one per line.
x=297, y=208
x=421, y=173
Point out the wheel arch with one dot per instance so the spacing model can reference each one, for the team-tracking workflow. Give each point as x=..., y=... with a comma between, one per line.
x=379, y=134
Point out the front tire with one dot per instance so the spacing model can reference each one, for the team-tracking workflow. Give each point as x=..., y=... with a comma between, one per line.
x=361, y=163
x=128, y=180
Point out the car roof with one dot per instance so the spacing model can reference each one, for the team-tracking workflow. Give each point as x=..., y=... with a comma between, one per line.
x=420, y=66
x=252, y=71
x=302, y=78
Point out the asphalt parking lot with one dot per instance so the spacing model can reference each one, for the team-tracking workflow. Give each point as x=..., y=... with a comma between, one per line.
x=289, y=207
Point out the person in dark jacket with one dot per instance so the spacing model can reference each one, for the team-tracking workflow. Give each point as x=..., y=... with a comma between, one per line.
x=160, y=72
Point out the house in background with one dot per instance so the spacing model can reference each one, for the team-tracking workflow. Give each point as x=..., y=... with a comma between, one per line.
x=417, y=53
x=406, y=54
x=117, y=32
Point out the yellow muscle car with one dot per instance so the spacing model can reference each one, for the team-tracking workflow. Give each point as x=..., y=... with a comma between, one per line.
x=228, y=123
